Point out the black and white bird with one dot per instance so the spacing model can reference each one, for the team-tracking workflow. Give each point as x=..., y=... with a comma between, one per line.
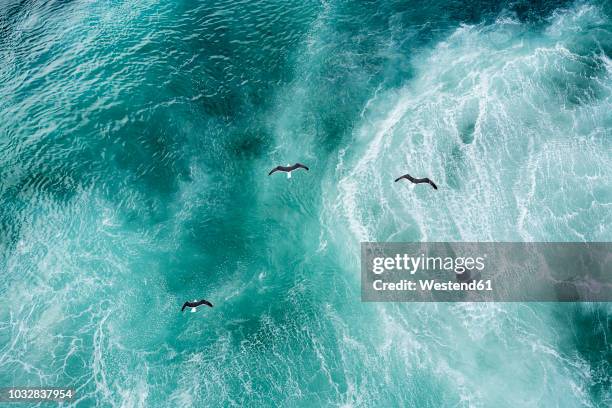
x=193, y=305
x=288, y=169
x=417, y=180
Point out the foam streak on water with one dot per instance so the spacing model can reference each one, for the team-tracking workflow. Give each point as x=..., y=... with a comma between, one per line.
x=135, y=139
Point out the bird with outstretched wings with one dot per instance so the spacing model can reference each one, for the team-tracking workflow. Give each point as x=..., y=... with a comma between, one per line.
x=417, y=180
x=288, y=169
x=196, y=304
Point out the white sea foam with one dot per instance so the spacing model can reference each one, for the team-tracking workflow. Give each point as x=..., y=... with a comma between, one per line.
x=511, y=125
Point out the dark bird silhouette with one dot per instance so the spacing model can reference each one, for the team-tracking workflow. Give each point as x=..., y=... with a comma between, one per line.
x=196, y=304
x=288, y=169
x=417, y=180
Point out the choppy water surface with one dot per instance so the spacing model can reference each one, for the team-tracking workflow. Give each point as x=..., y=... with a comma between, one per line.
x=135, y=139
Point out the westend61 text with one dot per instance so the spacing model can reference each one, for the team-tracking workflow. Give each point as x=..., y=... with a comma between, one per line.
x=432, y=285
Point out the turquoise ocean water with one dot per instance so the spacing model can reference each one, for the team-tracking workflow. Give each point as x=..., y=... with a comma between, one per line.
x=135, y=141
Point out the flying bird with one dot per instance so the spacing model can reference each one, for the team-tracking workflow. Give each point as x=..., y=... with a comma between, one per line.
x=288, y=169
x=193, y=305
x=417, y=180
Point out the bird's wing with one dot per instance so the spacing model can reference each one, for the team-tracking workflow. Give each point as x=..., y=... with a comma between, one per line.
x=432, y=184
x=184, y=306
x=277, y=168
x=300, y=165
x=203, y=302
x=399, y=178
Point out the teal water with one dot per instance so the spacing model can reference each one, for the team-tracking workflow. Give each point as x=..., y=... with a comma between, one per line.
x=135, y=139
